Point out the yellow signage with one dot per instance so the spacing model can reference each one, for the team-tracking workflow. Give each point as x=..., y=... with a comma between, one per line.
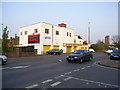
x=69, y=44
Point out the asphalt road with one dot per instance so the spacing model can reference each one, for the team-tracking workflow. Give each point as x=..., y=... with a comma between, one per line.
x=53, y=71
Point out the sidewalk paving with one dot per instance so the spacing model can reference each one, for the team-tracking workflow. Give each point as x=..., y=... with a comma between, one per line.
x=110, y=63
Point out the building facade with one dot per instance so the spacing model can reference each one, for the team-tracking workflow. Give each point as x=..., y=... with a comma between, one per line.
x=44, y=36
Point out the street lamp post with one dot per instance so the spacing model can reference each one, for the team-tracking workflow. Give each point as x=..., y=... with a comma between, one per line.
x=52, y=37
x=2, y=27
x=88, y=32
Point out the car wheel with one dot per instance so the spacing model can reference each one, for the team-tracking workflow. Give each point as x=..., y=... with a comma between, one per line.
x=90, y=59
x=111, y=58
x=68, y=61
x=81, y=60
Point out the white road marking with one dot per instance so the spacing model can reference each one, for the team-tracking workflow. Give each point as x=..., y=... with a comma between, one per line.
x=55, y=84
x=4, y=68
x=105, y=86
x=49, y=80
x=68, y=73
x=94, y=82
x=59, y=76
x=16, y=67
x=88, y=66
x=19, y=67
x=83, y=68
x=75, y=70
x=32, y=86
x=87, y=83
x=67, y=78
x=60, y=60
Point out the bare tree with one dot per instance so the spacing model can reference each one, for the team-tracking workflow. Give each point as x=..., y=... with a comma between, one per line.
x=116, y=41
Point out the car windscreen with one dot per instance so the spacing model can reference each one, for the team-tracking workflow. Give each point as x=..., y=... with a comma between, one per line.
x=116, y=51
x=79, y=51
x=55, y=50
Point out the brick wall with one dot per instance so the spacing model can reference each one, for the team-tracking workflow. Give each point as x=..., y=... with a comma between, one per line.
x=18, y=53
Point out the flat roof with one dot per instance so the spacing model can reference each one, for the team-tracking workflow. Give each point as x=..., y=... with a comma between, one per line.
x=45, y=23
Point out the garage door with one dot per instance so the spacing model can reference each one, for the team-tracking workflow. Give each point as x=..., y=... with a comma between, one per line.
x=46, y=48
x=56, y=47
x=81, y=48
x=75, y=48
x=68, y=49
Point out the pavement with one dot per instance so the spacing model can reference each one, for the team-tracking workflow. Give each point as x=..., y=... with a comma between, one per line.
x=110, y=63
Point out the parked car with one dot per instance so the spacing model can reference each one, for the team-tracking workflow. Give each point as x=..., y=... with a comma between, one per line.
x=55, y=52
x=92, y=50
x=115, y=54
x=109, y=51
x=3, y=59
x=79, y=56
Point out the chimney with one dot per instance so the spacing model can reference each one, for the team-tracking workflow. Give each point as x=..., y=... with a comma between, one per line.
x=10, y=39
x=107, y=40
x=62, y=25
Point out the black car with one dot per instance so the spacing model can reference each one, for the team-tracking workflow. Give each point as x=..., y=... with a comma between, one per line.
x=115, y=54
x=79, y=56
x=55, y=52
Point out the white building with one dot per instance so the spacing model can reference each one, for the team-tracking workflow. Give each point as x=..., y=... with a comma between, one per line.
x=43, y=37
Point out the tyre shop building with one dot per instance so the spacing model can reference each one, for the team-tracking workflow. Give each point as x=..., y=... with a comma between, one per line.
x=43, y=37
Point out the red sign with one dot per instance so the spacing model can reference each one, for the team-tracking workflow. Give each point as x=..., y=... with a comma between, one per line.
x=35, y=38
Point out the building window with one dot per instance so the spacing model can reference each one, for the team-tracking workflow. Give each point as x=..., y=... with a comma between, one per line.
x=74, y=40
x=86, y=48
x=67, y=33
x=25, y=32
x=35, y=30
x=21, y=33
x=80, y=42
x=57, y=32
x=70, y=34
x=82, y=48
x=47, y=31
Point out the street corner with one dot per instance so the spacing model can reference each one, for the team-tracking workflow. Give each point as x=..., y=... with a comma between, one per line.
x=109, y=63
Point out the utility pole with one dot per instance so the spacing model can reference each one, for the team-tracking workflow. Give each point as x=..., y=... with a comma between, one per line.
x=2, y=27
x=88, y=32
x=52, y=36
x=1, y=38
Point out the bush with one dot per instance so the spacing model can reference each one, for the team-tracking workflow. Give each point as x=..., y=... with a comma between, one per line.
x=99, y=46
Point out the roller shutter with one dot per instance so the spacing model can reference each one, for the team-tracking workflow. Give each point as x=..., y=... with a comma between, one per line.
x=46, y=48
x=56, y=47
x=68, y=49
